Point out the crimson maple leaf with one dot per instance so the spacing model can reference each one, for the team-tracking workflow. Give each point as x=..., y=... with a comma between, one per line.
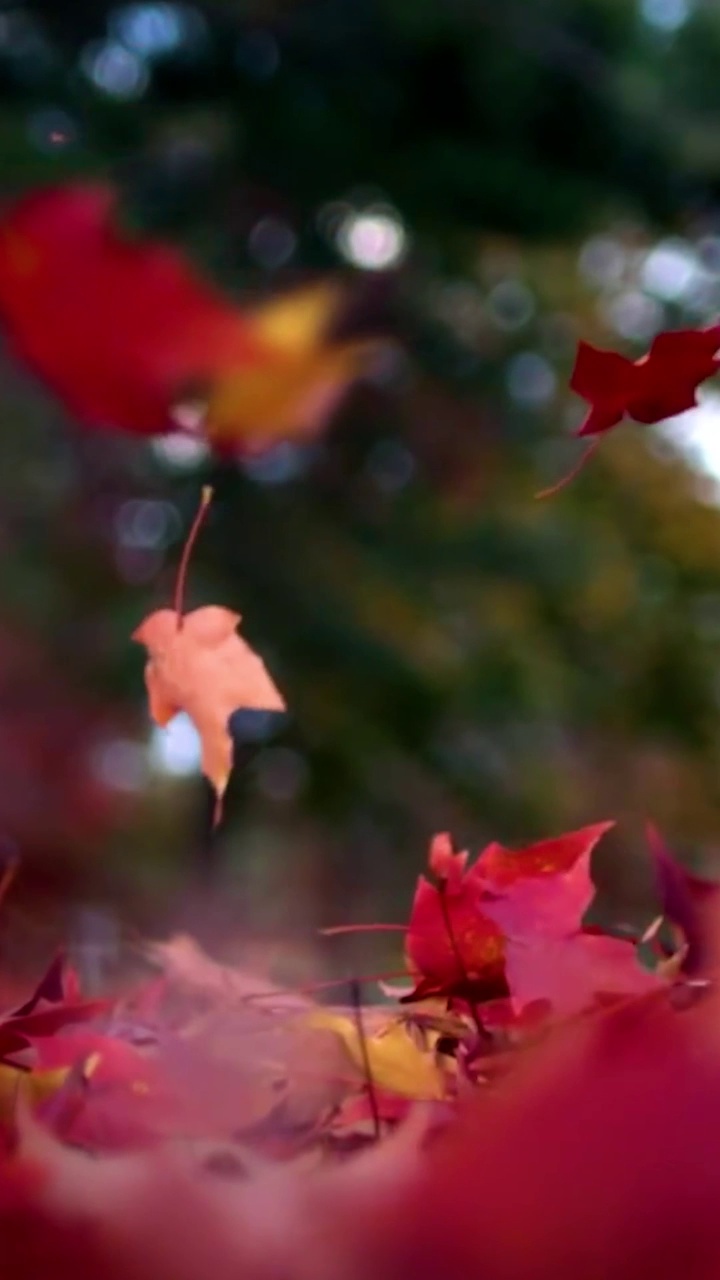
x=453, y=943
x=450, y=943
x=549, y=957
x=660, y=385
x=598, y=1161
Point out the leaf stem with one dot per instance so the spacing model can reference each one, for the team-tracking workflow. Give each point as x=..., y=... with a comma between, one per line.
x=337, y=929
x=205, y=500
x=372, y=1096
x=585, y=456
x=7, y=877
x=312, y=987
x=483, y=1035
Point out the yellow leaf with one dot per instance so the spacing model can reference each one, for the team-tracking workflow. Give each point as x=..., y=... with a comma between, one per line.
x=396, y=1062
x=31, y=1086
x=291, y=395
x=297, y=322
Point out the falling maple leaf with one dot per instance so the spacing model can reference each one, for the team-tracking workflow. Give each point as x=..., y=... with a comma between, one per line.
x=198, y=663
x=126, y=332
x=661, y=384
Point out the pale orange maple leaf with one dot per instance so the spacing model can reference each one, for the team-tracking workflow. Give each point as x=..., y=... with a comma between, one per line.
x=199, y=664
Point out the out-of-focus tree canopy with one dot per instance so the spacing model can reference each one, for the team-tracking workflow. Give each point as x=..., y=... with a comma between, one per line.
x=495, y=181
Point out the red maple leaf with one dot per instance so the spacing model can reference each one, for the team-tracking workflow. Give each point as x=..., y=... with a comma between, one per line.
x=453, y=944
x=660, y=385
x=449, y=941
x=55, y=1003
x=499, y=867
x=548, y=955
x=597, y=1161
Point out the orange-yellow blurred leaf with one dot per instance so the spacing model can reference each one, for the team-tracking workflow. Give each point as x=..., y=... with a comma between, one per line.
x=128, y=334
x=27, y=1086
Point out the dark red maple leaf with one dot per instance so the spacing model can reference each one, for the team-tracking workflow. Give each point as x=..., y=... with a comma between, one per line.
x=660, y=385
x=55, y=1003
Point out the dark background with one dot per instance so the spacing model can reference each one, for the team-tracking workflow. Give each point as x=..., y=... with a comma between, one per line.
x=454, y=653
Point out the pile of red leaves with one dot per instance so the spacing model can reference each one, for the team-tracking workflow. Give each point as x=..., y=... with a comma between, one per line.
x=542, y=1097
x=543, y=1101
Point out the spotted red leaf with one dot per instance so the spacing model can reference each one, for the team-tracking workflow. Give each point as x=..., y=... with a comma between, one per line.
x=449, y=940
x=500, y=867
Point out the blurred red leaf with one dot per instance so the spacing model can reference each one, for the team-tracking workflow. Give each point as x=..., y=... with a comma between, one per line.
x=596, y=1160
x=125, y=331
x=548, y=956
x=56, y=1003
